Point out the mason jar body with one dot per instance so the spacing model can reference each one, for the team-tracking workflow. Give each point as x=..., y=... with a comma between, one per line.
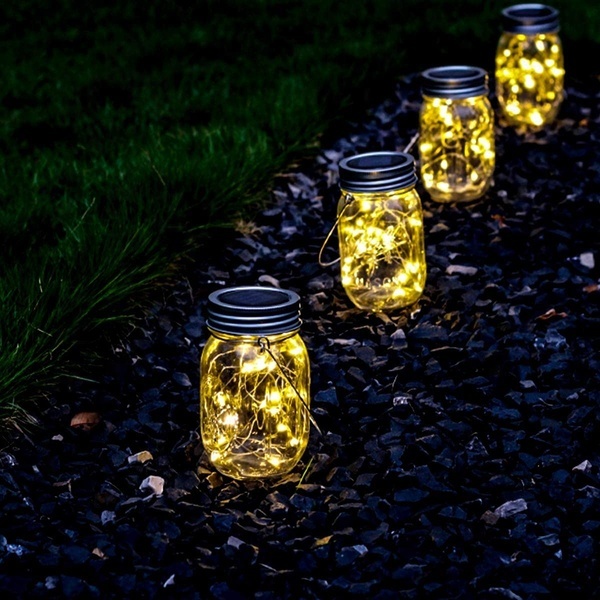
x=254, y=402
x=456, y=134
x=529, y=66
x=381, y=240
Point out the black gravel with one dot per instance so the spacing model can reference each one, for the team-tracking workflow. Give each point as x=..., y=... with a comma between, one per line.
x=458, y=455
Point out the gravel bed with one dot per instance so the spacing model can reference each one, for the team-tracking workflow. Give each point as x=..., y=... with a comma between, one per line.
x=458, y=451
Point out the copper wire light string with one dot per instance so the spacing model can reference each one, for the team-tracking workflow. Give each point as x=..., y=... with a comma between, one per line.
x=265, y=346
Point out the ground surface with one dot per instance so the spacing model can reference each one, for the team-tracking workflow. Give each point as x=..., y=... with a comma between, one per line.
x=458, y=455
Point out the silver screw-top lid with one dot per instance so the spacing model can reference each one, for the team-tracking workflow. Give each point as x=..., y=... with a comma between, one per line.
x=253, y=310
x=455, y=81
x=377, y=172
x=530, y=19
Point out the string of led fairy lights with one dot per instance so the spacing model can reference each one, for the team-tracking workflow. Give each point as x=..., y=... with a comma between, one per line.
x=459, y=161
x=529, y=77
x=259, y=412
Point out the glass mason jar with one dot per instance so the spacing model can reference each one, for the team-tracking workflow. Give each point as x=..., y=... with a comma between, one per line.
x=457, y=151
x=529, y=66
x=254, y=383
x=380, y=231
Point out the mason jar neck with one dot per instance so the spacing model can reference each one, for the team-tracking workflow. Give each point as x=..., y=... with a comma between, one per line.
x=376, y=194
x=246, y=338
x=448, y=99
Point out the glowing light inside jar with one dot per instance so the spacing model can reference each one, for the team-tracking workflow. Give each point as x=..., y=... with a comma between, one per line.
x=529, y=78
x=456, y=133
x=254, y=420
x=383, y=259
x=456, y=147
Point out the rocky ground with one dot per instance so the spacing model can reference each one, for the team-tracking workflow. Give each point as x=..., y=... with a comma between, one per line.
x=458, y=450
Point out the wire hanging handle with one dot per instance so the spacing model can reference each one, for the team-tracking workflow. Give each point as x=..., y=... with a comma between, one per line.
x=412, y=142
x=348, y=199
x=265, y=346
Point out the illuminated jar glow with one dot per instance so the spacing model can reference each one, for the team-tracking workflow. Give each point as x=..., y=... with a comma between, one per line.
x=380, y=231
x=529, y=66
x=254, y=383
x=457, y=153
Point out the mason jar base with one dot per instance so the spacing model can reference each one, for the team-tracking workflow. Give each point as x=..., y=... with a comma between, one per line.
x=526, y=123
x=446, y=198
x=381, y=299
x=252, y=467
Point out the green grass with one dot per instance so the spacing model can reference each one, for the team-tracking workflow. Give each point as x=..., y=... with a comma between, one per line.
x=130, y=136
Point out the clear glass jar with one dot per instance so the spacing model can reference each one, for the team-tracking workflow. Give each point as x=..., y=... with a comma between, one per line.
x=457, y=152
x=254, y=383
x=380, y=231
x=529, y=66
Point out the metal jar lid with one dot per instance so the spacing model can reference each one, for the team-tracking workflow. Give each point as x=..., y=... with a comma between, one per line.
x=455, y=81
x=253, y=310
x=530, y=19
x=377, y=172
